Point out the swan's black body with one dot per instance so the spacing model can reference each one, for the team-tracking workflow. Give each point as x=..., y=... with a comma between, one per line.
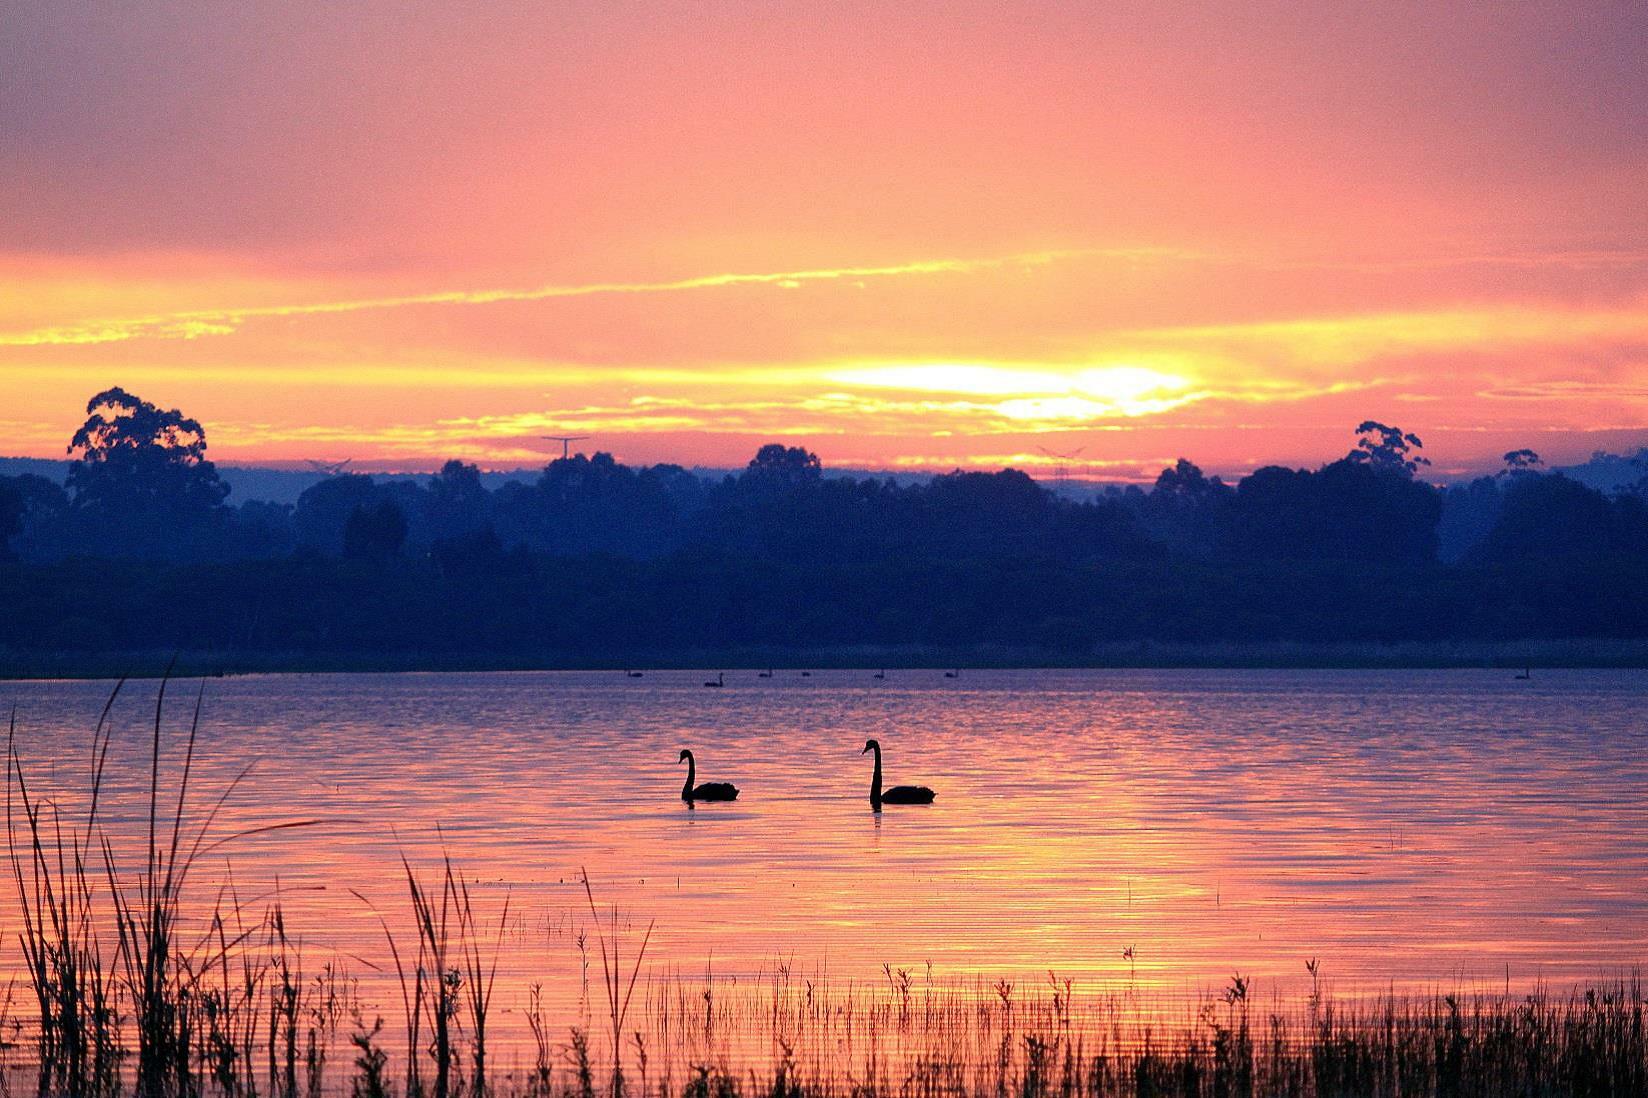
x=956, y=674
x=720, y=680
x=709, y=791
x=634, y=674
x=880, y=674
x=898, y=794
x=767, y=674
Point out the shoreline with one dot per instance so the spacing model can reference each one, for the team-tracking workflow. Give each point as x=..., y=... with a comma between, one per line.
x=1594, y=654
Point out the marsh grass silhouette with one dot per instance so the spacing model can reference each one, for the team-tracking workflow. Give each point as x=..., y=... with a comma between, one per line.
x=177, y=1001
x=127, y=999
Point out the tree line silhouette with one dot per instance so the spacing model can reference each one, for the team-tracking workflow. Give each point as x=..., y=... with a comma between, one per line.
x=141, y=549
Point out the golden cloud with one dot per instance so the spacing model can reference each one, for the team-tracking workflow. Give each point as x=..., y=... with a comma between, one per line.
x=192, y=324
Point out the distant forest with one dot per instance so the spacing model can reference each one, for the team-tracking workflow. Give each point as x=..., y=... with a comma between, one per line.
x=140, y=551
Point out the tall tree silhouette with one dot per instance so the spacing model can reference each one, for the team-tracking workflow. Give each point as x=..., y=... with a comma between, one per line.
x=1186, y=509
x=1366, y=506
x=1549, y=516
x=325, y=508
x=1387, y=449
x=457, y=502
x=140, y=480
x=778, y=466
x=129, y=449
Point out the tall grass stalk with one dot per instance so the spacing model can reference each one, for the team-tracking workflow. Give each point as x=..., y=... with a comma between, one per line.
x=480, y=975
x=56, y=891
x=433, y=912
x=453, y=968
x=618, y=993
x=149, y=987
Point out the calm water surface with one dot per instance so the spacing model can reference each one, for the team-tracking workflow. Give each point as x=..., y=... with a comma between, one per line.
x=1405, y=826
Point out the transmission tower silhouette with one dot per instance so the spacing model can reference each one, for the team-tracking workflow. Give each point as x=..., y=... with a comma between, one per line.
x=566, y=442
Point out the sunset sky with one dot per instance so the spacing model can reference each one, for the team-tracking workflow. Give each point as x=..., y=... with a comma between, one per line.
x=903, y=235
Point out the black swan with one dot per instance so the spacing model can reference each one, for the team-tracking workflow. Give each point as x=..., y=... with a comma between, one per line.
x=633, y=674
x=709, y=791
x=720, y=680
x=956, y=674
x=767, y=674
x=898, y=794
x=880, y=674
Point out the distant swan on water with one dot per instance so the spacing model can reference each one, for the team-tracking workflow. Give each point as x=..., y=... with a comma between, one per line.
x=956, y=674
x=898, y=794
x=767, y=674
x=880, y=674
x=720, y=680
x=633, y=674
x=1526, y=672
x=709, y=791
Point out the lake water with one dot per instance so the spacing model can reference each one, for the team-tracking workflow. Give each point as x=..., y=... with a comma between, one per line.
x=1415, y=827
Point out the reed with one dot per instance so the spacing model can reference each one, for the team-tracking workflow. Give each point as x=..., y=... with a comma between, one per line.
x=806, y=1039
x=112, y=978
x=57, y=898
x=480, y=974
x=619, y=992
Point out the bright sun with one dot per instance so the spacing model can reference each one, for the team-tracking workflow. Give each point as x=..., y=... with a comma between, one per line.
x=1033, y=394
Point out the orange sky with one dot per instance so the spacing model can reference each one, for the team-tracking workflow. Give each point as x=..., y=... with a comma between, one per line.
x=914, y=235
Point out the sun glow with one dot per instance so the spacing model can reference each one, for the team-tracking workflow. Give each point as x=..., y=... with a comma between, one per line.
x=1036, y=393
x=1156, y=228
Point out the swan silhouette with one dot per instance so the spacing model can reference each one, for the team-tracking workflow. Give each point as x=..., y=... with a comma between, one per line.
x=956, y=674
x=1526, y=673
x=880, y=674
x=898, y=794
x=633, y=674
x=709, y=791
x=767, y=674
x=720, y=680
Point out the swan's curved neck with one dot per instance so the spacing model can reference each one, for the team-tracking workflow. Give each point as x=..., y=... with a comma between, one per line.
x=875, y=781
x=692, y=768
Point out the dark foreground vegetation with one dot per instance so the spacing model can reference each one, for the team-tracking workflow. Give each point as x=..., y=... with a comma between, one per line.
x=596, y=562
x=139, y=978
